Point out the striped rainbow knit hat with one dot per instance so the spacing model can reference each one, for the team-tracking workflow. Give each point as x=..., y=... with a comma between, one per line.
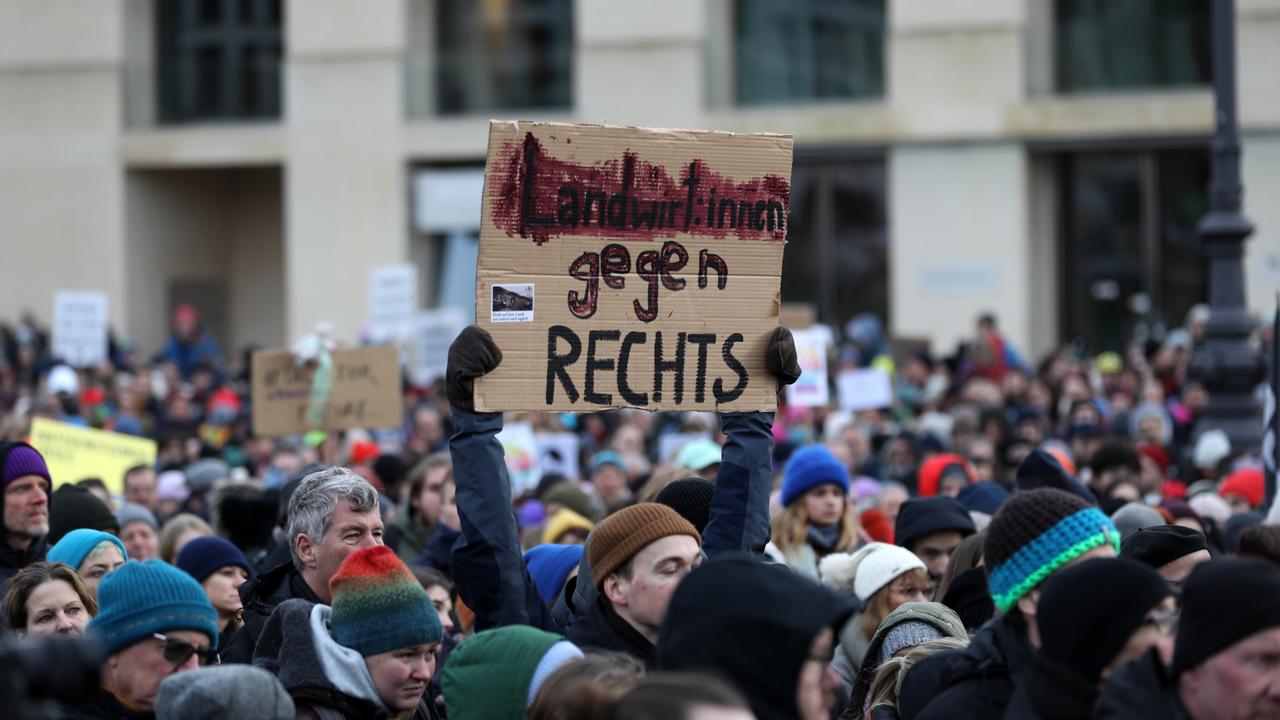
x=1034, y=534
x=378, y=606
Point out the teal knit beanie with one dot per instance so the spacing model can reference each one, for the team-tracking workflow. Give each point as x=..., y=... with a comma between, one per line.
x=142, y=598
x=490, y=675
x=76, y=545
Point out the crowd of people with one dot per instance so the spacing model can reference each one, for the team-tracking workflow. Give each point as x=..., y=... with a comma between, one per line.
x=1062, y=540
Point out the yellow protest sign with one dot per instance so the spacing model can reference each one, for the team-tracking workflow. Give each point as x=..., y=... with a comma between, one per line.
x=75, y=453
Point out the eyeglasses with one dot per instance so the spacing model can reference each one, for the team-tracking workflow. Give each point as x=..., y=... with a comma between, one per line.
x=909, y=590
x=178, y=651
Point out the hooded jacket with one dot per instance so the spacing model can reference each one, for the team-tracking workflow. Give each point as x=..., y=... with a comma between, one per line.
x=325, y=679
x=1039, y=469
x=941, y=617
x=751, y=622
x=977, y=682
x=260, y=596
x=488, y=564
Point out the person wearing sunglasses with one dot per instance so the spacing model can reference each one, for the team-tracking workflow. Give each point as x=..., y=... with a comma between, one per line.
x=153, y=620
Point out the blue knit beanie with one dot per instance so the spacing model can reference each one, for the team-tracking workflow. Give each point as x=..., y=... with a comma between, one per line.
x=549, y=566
x=142, y=598
x=76, y=545
x=203, y=556
x=809, y=467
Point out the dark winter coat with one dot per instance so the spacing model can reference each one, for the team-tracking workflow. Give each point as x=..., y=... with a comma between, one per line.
x=487, y=562
x=1051, y=691
x=260, y=596
x=601, y=628
x=101, y=704
x=297, y=648
x=11, y=560
x=976, y=682
x=1141, y=689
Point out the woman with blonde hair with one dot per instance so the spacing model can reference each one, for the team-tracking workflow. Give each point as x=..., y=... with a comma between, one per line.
x=817, y=517
x=178, y=531
x=886, y=688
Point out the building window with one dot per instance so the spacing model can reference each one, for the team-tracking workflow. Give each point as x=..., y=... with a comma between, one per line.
x=837, y=246
x=516, y=54
x=788, y=51
x=1110, y=45
x=1135, y=266
x=219, y=59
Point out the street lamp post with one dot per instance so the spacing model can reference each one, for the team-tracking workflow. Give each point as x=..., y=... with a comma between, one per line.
x=1225, y=362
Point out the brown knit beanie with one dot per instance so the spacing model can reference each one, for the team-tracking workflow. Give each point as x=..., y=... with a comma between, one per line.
x=623, y=534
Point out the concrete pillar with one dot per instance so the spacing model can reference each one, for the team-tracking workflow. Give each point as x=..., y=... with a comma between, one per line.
x=345, y=197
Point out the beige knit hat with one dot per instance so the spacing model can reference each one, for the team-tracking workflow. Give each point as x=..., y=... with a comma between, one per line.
x=623, y=534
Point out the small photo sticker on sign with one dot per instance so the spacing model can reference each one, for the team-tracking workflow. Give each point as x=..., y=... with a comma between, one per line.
x=512, y=304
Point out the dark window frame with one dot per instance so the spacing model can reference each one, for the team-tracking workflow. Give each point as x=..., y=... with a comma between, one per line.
x=1130, y=45
x=533, y=26
x=214, y=64
x=816, y=25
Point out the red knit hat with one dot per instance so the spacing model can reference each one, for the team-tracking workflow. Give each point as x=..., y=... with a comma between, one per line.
x=876, y=525
x=932, y=470
x=1248, y=483
x=1156, y=454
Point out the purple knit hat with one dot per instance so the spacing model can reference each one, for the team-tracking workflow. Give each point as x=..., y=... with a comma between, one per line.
x=19, y=460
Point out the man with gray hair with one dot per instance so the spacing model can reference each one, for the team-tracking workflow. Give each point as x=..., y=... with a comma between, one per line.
x=332, y=513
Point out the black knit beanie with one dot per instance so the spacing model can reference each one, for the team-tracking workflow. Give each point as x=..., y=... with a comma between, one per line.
x=73, y=507
x=1223, y=602
x=1162, y=544
x=691, y=497
x=1087, y=612
x=923, y=516
x=1039, y=469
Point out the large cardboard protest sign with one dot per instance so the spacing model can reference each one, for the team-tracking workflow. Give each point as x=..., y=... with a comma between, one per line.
x=363, y=390
x=75, y=453
x=626, y=267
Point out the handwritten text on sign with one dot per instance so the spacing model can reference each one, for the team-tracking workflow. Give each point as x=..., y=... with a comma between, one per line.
x=365, y=391
x=631, y=267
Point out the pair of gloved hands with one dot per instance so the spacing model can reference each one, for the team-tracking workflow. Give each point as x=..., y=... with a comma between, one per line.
x=474, y=353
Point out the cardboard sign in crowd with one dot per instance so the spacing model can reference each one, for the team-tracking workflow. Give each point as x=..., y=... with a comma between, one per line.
x=364, y=391
x=629, y=267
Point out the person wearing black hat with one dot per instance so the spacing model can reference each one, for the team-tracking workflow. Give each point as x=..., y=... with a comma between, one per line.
x=1093, y=617
x=1036, y=534
x=1226, y=658
x=764, y=628
x=1039, y=469
x=1173, y=550
x=931, y=528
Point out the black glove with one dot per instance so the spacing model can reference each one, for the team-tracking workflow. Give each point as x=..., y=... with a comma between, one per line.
x=472, y=354
x=782, y=357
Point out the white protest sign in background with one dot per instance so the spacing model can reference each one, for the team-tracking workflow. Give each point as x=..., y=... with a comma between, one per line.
x=433, y=332
x=80, y=327
x=558, y=453
x=811, y=389
x=393, y=302
x=868, y=389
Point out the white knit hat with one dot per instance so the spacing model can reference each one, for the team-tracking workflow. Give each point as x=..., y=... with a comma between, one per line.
x=881, y=566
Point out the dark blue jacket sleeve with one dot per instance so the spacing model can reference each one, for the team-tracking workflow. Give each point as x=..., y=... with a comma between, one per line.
x=739, y=520
x=488, y=567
